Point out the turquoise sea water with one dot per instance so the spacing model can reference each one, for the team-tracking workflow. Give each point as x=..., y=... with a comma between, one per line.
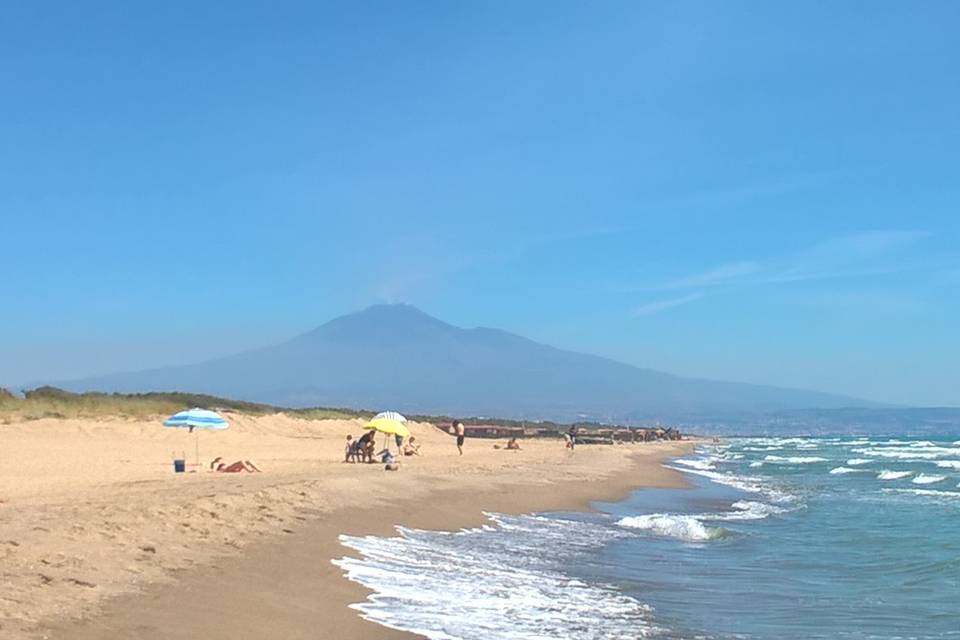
x=787, y=538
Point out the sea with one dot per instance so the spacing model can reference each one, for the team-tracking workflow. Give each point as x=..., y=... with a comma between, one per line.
x=780, y=538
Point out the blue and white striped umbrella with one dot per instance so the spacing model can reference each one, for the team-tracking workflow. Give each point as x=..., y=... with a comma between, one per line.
x=197, y=419
x=389, y=415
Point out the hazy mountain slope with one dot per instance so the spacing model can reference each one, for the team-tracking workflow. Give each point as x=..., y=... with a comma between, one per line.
x=397, y=356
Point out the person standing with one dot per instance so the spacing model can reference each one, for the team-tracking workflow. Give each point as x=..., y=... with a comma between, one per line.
x=460, y=432
x=572, y=435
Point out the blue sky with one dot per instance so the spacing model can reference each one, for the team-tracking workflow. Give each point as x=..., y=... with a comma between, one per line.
x=763, y=192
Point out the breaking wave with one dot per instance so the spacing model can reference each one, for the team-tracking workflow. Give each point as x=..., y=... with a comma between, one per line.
x=923, y=478
x=893, y=475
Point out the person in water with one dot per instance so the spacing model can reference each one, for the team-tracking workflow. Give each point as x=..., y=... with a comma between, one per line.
x=460, y=432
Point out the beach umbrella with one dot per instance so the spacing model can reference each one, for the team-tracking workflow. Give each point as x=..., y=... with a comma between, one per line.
x=197, y=419
x=389, y=426
x=389, y=415
x=386, y=425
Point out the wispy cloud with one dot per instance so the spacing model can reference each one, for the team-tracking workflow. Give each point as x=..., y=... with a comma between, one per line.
x=717, y=275
x=872, y=253
x=662, y=305
x=851, y=256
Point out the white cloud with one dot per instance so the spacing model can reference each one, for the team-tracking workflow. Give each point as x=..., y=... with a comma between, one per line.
x=717, y=275
x=662, y=305
x=871, y=253
x=851, y=256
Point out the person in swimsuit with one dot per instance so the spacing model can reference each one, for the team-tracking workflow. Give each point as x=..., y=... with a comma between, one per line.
x=459, y=431
x=234, y=467
x=572, y=435
x=366, y=445
x=410, y=448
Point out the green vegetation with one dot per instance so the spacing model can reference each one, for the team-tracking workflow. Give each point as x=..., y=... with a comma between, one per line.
x=320, y=413
x=51, y=402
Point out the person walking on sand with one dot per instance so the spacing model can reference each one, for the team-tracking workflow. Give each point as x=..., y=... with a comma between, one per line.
x=572, y=435
x=459, y=431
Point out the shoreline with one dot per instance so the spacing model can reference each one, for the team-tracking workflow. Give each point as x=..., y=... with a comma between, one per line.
x=265, y=591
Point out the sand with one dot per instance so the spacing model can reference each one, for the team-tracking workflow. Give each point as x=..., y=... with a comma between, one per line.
x=100, y=539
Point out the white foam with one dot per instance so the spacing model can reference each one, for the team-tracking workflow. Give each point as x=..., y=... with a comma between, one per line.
x=843, y=470
x=922, y=452
x=794, y=459
x=683, y=527
x=750, y=484
x=893, y=475
x=750, y=510
x=479, y=584
x=928, y=479
x=927, y=492
x=756, y=465
x=948, y=464
x=856, y=462
x=705, y=465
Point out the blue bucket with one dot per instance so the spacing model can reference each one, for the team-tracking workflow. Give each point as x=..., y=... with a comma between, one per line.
x=179, y=465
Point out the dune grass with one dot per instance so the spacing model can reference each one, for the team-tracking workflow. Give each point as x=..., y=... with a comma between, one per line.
x=51, y=402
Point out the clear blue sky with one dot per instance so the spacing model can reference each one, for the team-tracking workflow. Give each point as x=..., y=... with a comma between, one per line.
x=763, y=192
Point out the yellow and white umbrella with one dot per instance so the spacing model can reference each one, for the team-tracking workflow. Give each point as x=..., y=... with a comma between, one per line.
x=390, y=426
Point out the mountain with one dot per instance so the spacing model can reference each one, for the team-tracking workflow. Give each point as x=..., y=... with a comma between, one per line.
x=397, y=357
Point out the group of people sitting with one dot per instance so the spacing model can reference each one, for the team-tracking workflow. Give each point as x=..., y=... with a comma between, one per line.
x=363, y=449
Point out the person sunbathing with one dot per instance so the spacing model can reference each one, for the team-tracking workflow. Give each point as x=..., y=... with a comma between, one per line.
x=513, y=445
x=234, y=467
x=411, y=449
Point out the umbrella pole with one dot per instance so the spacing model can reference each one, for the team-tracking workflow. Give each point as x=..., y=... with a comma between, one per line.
x=198, y=450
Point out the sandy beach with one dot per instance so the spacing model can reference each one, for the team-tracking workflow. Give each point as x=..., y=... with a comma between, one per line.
x=100, y=539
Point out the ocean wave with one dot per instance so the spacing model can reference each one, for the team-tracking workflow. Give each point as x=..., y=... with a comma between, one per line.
x=684, y=527
x=700, y=463
x=794, y=459
x=928, y=479
x=955, y=495
x=893, y=475
x=844, y=470
x=474, y=585
x=856, y=462
x=948, y=464
x=900, y=454
x=750, y=484
x=923, y=452
x=750, y=510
